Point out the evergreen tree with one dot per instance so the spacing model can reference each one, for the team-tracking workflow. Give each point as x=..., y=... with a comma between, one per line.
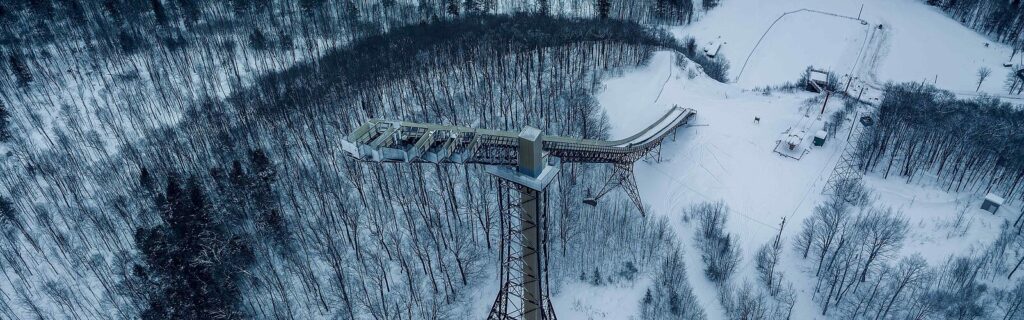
x=191, y=262
x=158, y=12
x=604, y=7
x=111, y=7
x=710, y=4
x=20, y=70
x=129, y=43
x=309, y=5
x=7, y=216
x=5, y=133
x=260, y=186
x=146, y=181
x=189, y=10
x=75, y=12
x=42, y=8
x=471, y=6
x=257, y=40
x=351, y=11
x=453, y=8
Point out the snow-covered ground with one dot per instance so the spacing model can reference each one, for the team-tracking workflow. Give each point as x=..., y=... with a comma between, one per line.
x=919, y=43
x=725, y=155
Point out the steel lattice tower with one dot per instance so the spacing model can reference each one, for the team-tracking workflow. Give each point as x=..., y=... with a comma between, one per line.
x=525, y=163
x=848, y=168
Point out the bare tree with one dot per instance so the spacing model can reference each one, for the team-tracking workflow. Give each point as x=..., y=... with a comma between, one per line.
x=983, y=73
x=910, y=273
x=765, y=261
x=719, y=250
x=833, y=217
x=882, y=233
x=745, y=303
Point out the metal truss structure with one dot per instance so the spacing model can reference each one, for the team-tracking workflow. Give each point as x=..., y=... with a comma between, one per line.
x=525, y=163
x=848, y=168
x=397, y=141
x=523, y=263
x=622, y=176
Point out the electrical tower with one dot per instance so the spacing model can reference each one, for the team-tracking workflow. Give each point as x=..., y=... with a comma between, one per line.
x=848, y=168
x=524, y=163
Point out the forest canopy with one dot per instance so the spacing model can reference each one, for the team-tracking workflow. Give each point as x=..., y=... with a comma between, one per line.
x=411, y=49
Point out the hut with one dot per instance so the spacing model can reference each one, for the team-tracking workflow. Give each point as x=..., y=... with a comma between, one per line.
x=867, y=121
x=819, y=138
x=817, y=80
x=992, y=203
x=712, y=48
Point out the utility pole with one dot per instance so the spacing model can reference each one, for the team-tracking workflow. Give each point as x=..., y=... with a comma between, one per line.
x=778, y=237
x=827, y=94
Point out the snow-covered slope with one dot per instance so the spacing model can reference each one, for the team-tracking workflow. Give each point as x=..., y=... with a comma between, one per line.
x=919, y=43
x=725, y=155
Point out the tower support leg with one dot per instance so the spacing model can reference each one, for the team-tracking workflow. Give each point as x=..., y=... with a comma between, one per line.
x=523, y=295
x=532, y=204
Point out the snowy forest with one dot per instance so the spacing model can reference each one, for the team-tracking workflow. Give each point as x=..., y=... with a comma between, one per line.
x=1004, y=20
x=182, y=159
x=179, y=159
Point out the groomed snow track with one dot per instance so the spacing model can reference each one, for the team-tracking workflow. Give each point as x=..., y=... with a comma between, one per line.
x=397, y=141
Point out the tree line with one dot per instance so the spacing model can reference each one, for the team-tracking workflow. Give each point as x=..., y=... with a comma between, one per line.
x=1003, y=20
x=966, y=144
x=852, y=247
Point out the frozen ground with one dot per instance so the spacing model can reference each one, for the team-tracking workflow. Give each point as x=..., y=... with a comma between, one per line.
x=725, y=156
x=919, y=43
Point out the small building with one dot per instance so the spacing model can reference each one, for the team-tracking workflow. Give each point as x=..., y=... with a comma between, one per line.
x=819, y=138
x=992, y=203
x=794, y=139
x=712, y=48
x=817, y=80
x=867, y=121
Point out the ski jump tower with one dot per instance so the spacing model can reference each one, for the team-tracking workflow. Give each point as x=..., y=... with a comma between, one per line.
x=525, y=162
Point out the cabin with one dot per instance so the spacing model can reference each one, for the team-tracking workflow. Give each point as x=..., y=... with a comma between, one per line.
x=992, y=203
x=819, y=138
x=712, y=48
x=867, y=121
x=817, y=80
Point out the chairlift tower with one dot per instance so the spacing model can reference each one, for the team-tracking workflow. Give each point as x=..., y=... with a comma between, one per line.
x=848, y=167
x=526, y=163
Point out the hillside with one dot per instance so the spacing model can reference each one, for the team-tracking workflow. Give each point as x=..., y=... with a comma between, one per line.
x=352, y=159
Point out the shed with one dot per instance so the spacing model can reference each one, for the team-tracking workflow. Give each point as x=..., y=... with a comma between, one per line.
x=992, y=203
x=794, y=139
x=817, y=80
x=867, y=121
x=819, y=138
x=713, y=47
